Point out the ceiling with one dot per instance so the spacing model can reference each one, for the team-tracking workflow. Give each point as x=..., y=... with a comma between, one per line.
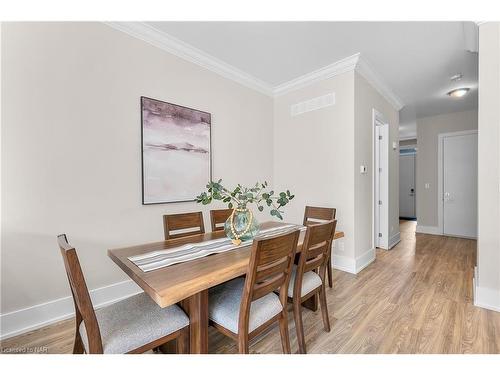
x=415, y=59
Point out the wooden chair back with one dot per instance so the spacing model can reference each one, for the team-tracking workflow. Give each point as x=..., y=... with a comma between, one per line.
x=218, y=218
x=269, y=269
x=315, y=215
x=84, y=310
x=315, y=250
x=182, y=222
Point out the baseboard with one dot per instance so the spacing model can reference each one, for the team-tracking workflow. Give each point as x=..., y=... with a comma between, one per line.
x=394, y=240
x=353, y=265
x=428, y=230
x=343, y=263
x=485, y=297
x=17, y=322
x=365, y=260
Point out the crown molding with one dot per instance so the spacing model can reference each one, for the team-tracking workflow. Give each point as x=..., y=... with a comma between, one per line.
x=355, y=62
x=162, y=40
x=187, y=52
x=342, y=66
x=378, y=83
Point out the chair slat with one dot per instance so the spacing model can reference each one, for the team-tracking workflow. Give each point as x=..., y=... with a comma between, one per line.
x=314, y=263
x=268, y=286
x=176, y=225
x=218, y=218
x=315, y=214
x=271, y=269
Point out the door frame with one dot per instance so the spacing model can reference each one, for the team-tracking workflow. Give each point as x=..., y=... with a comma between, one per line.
x=379, y=119
x=440, y=185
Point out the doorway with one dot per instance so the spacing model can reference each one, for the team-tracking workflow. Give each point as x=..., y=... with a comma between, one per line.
x=457, y=184
x=407, y=185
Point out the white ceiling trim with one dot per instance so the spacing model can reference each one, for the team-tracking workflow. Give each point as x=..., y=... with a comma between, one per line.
x=342, y=66
x=376, y=81
x=187, y=52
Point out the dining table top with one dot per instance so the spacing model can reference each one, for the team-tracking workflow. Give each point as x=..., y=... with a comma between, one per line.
x=174, y=283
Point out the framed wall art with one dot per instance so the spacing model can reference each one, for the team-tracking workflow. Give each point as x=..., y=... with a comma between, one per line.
x=176, y=152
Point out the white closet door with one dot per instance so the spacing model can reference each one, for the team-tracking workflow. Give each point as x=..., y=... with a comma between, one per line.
x=460, y=185
x=382, y=186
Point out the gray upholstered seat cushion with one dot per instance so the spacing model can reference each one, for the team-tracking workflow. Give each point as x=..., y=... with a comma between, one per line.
x=224, y=306
x=310, y=281
x=134, y=322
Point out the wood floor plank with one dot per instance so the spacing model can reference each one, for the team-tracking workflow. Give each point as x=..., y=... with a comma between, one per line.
x=415, y=298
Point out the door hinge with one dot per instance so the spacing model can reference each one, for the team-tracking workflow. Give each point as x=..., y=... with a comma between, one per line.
x=380, y=234
x=380, y=137
x=380, y=170
x=380, y=202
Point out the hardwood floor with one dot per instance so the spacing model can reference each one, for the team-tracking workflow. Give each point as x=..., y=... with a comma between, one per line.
x=415, y=298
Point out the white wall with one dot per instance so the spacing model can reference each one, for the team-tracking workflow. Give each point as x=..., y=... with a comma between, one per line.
x=319, y=154
x=314, y=153
x=428, y=129
x=487, y=293
x=71, y=148
x=367, y=99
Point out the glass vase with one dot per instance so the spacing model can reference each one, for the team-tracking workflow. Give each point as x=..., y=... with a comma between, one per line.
x=241, y=225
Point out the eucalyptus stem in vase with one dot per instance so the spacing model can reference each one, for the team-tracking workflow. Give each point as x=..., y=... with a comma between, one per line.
x=242, y=225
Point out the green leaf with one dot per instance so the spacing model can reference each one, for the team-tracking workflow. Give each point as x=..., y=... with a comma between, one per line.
x=230, y=205
x=261, y=208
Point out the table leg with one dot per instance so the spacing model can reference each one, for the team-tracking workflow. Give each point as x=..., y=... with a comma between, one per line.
x=196, y=307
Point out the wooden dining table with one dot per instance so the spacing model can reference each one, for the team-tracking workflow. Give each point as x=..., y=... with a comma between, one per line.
x=188, y=283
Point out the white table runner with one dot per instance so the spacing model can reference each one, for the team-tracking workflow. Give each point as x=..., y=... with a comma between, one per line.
x=164, y=258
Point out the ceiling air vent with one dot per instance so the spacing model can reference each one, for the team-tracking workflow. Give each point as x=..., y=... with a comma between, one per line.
x=312, y=104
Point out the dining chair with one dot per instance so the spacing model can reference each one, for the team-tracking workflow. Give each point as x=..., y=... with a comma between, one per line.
x=133, y=325
x=315, y=215
x=218, y=218
x=306, y=281
x=244, y=307
x=183, y=225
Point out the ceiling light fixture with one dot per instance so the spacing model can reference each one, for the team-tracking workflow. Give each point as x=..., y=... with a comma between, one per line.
x=458, y=93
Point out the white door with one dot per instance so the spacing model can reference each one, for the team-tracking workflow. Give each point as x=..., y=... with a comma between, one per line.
x=381, y=186
x=460, y=185
x=407, y=185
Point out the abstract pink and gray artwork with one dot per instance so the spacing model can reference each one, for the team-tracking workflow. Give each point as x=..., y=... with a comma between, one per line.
x=175, y=152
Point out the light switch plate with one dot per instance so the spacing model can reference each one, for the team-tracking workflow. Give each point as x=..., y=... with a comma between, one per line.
x=362, y=169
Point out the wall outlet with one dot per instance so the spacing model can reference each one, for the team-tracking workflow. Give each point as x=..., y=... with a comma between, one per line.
x=339, y=246
x=427, y=185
